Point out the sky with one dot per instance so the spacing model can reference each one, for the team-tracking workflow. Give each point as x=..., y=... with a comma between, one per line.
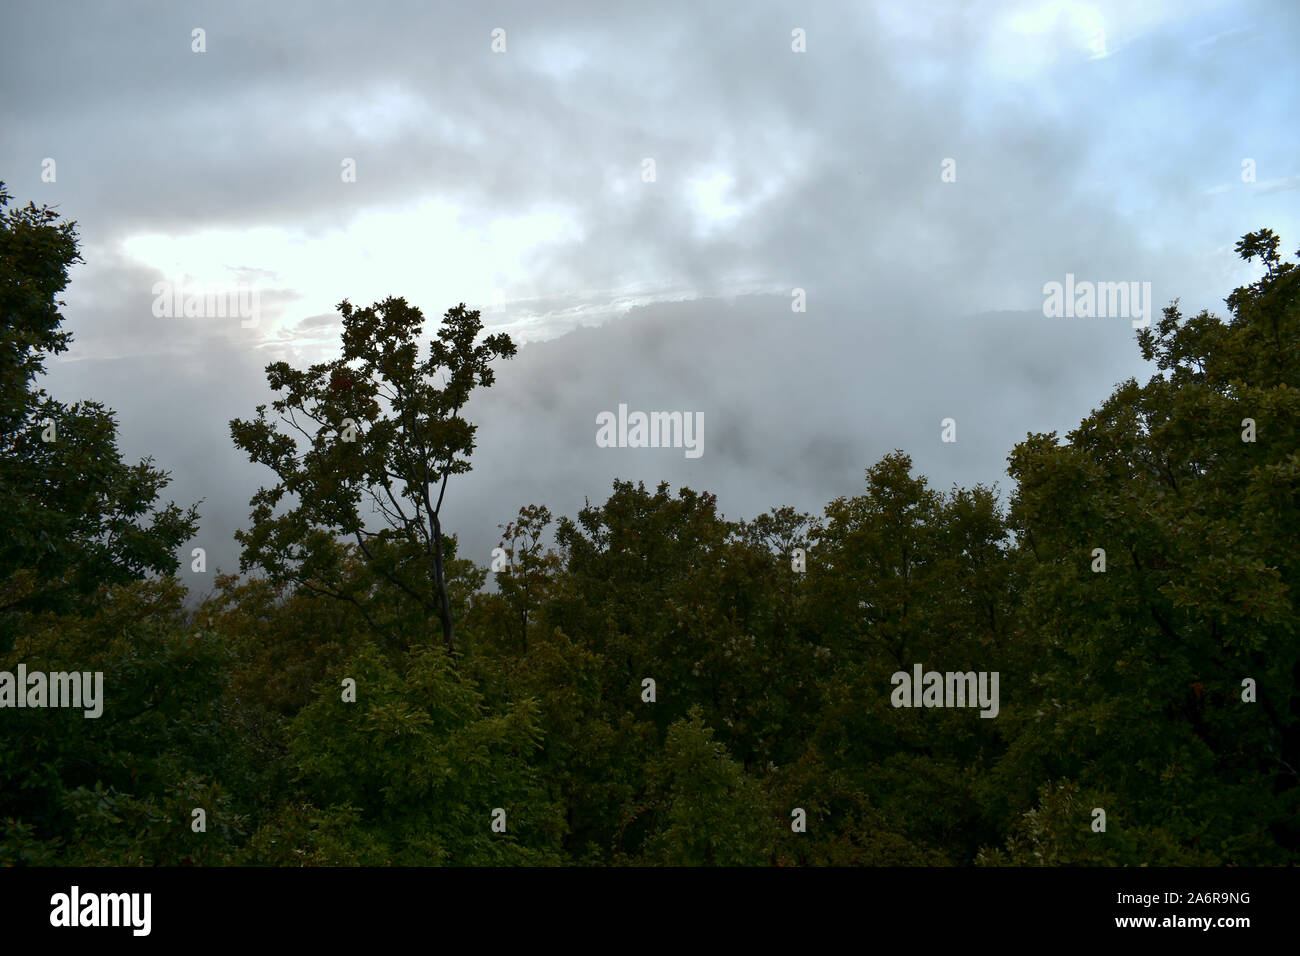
x=823, y=228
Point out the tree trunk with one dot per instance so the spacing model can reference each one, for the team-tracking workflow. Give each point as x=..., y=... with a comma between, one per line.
x=444, y=603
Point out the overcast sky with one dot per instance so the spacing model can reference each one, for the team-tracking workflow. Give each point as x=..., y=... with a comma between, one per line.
x=920, y=170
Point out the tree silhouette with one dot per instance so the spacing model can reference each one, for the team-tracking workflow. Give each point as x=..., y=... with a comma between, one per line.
x=377, y=425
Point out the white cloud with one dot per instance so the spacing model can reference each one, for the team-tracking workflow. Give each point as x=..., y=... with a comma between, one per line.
x=431, y=253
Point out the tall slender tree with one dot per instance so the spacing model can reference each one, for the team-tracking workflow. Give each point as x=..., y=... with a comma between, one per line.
x=381, y=424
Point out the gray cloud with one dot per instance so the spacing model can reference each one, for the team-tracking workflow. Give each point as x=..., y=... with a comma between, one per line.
x=823, y=169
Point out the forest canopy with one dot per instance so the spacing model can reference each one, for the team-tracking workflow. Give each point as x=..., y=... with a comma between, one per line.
x=647, y=682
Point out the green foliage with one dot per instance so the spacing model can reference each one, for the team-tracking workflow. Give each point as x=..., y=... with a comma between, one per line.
x=699, y=808
x=420, y=766
x=77, y=517
x=1199, y=527
x=160, y=740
